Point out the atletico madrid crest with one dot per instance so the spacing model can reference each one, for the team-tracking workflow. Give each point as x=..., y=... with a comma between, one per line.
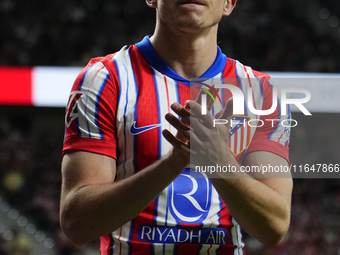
x=239, y=134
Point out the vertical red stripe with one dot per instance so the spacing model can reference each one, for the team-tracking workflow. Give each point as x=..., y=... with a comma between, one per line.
x=147, y=113
x=185, y=93
x=226, y=224
x=16, y=85
x=167, y=96
x=229, y=70
x=106, y=245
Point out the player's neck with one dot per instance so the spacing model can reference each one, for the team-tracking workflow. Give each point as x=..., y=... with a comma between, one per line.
x=190, y=55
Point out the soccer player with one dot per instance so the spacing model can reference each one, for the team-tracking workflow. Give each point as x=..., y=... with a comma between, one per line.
x=130, y=134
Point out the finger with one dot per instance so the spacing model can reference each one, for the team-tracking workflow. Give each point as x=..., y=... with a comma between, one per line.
x=182, y=127
x=176, y=143
x=211, y=94
x=195, y=110
x=228, y=110
x=184, y=136
x=172, y=139
x=181, y=111
x=176, y=123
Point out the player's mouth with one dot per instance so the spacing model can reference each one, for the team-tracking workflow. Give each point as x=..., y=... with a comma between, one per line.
x=191, y=2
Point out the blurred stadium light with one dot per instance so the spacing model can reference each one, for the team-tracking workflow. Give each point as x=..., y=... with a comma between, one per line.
x=50, y=87
x=14, y=226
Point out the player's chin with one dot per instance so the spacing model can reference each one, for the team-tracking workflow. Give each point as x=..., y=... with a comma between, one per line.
x=191, y=20
x=195, y=24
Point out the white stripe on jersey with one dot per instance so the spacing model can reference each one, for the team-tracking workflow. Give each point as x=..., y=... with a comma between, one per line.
x=173, y=97
x=275, y=136
x=161, y=94
x=237, y=237
x=162, y=86
x=125, y=168
x=126, y=107
x=208, y=249
x=245, y=85
x=163, y=248
x=93, y=81
x=256, y=85
x=212, y=219
x=238, y=143
x=120, y=240
x=246, y=137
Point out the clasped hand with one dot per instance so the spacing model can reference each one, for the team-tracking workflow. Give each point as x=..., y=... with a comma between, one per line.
x=199, y=141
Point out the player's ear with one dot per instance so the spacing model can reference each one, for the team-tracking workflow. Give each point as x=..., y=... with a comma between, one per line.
x=229, y=7
x=151, y=3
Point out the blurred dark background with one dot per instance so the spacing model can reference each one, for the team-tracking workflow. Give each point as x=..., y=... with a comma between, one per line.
x=289, y=36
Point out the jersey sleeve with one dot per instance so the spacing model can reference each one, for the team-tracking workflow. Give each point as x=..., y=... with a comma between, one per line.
x=91, y=110
x=274, y=135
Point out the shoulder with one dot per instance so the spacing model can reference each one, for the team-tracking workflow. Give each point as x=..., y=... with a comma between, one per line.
x=109, y=61
x=102, y=67
x=247, y=76
x=243, y=71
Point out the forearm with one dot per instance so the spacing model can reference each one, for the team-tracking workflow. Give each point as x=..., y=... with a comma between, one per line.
x=90, y=211
x=258, y=207
x=260, y=210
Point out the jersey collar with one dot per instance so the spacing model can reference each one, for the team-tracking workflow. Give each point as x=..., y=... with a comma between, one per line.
x=149, y=53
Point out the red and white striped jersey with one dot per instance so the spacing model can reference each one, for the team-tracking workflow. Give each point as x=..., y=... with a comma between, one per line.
x=117, y=108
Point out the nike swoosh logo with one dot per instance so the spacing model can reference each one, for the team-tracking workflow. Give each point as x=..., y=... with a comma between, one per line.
x=138, y=130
